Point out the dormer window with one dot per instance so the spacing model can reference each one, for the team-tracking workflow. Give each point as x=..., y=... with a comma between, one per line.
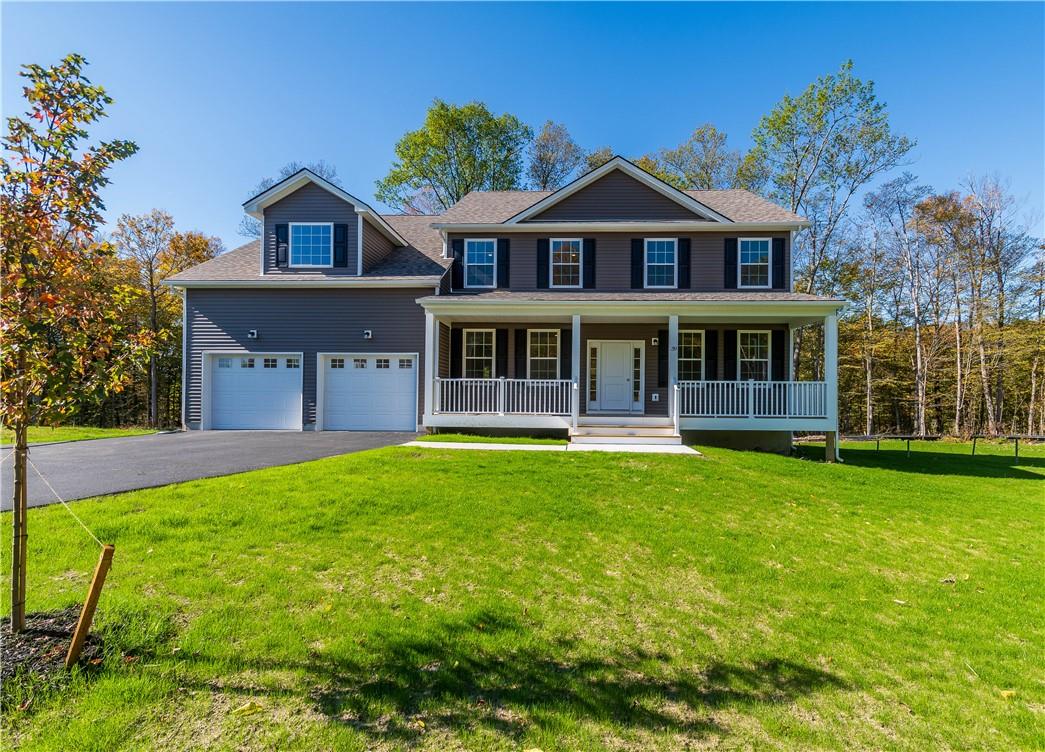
x=480, y=263
x=661, y=266
x=311, y=244
x=753, y=266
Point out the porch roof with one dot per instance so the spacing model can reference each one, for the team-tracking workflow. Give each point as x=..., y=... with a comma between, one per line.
x=793, y=307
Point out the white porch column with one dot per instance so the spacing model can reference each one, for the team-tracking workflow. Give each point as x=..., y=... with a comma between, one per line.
x=575, y=365
x=673, y=360
x=431, y=358
x=831, y=379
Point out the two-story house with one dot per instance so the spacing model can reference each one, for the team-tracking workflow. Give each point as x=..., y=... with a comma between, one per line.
x=616, y=308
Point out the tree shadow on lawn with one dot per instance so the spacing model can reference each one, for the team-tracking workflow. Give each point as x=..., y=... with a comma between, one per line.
x=937, y=463
x=459, y=676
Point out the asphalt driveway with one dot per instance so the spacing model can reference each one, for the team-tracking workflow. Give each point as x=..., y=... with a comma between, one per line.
x=80, y=469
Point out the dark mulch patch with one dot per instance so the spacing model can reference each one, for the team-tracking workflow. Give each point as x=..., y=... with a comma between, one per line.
x=35, y=657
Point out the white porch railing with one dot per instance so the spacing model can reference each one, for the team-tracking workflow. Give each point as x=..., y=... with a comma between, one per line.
x=504, y=396
x=752, y=399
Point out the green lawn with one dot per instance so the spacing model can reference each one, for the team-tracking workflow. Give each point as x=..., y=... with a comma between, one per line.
x=413, y=598
x=44, y=434
x=471, y=438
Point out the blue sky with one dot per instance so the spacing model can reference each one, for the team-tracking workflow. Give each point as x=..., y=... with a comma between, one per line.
x=219, y=95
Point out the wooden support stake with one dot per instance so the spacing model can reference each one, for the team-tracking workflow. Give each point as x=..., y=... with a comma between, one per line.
x=908, y=447
x=83, y=625
x=1017, y=451
x=973, y=446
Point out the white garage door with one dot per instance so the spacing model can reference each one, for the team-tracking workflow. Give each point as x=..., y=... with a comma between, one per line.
x=260, y=391
x=369, y=392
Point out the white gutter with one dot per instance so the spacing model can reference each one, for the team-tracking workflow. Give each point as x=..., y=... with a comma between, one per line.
x=351, y=282
x=603, y=227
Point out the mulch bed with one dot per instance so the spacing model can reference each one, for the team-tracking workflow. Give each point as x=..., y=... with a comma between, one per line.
x=36, y=656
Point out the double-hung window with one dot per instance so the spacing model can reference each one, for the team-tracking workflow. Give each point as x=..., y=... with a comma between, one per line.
x=691, y=356
x=480, y=263
x=754, y=262
x=478, y=353
x=311, y=244
x=753, y=355
x=566, y=262
x=543, y=360
x=661, y=269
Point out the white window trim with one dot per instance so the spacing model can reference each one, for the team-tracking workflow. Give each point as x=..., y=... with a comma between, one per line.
x=551, y=263
x=703, y=340
x=464, y=353
x=465, y=263
x=290, y=245
x=645, y=264
x=768, y=360
x=740, y=265
x=558, y=344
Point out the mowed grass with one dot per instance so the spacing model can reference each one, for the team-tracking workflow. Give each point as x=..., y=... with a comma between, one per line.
x=44, y=434
x=428, y=599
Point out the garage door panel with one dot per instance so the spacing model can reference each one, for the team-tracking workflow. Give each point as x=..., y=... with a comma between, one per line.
x=360, y=396
x=257, y=397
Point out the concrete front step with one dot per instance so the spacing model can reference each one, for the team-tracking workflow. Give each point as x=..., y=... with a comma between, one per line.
x=625, y=431
x=625, y=439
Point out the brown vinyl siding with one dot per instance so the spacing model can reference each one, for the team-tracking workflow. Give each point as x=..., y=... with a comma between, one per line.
x=617, y=197
x=310, y=203
x=613, y=257
x=308, y=321
x=375, y=246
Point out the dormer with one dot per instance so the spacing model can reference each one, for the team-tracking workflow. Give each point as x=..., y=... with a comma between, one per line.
x=312, y=227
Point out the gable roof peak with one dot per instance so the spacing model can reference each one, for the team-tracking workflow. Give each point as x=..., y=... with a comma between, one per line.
x=617, y=162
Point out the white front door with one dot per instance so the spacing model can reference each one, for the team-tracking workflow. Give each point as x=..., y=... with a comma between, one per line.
x=618, y=379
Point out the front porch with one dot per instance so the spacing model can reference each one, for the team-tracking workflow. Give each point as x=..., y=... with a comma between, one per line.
x=696, y=368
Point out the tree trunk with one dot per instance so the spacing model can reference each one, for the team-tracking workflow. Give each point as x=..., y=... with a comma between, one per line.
x=154, y=399
x=19, y=533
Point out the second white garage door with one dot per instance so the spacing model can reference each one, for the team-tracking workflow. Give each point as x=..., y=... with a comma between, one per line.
x=369, y=392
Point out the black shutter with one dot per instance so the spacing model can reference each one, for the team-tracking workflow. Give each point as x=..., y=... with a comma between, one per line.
x=778, y=264
x=731, y=264
x=501, y=353
x=684, y=280
x=662, y=358
x=729, y=355
x=341, y=245
x=565, y=353
x=589, y=262
x=503, y=262
x=778, y=355
x=282, y=244
x=457, y=270
x=543, y=273
x=520, y=354
x=638, y=276
x=711, y=354
x=455, y=353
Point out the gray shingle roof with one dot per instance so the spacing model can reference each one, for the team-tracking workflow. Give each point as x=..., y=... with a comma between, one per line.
x=492, y=207
x=422, y=258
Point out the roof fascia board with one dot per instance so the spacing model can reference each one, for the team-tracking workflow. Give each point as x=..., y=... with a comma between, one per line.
x=623, y=226
x=255, y=206
x=426, y=281
x=448, y=306
x=619, y=163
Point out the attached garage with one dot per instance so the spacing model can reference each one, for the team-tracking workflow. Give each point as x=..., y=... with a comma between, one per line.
x=253, y=391
x=367, y=392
